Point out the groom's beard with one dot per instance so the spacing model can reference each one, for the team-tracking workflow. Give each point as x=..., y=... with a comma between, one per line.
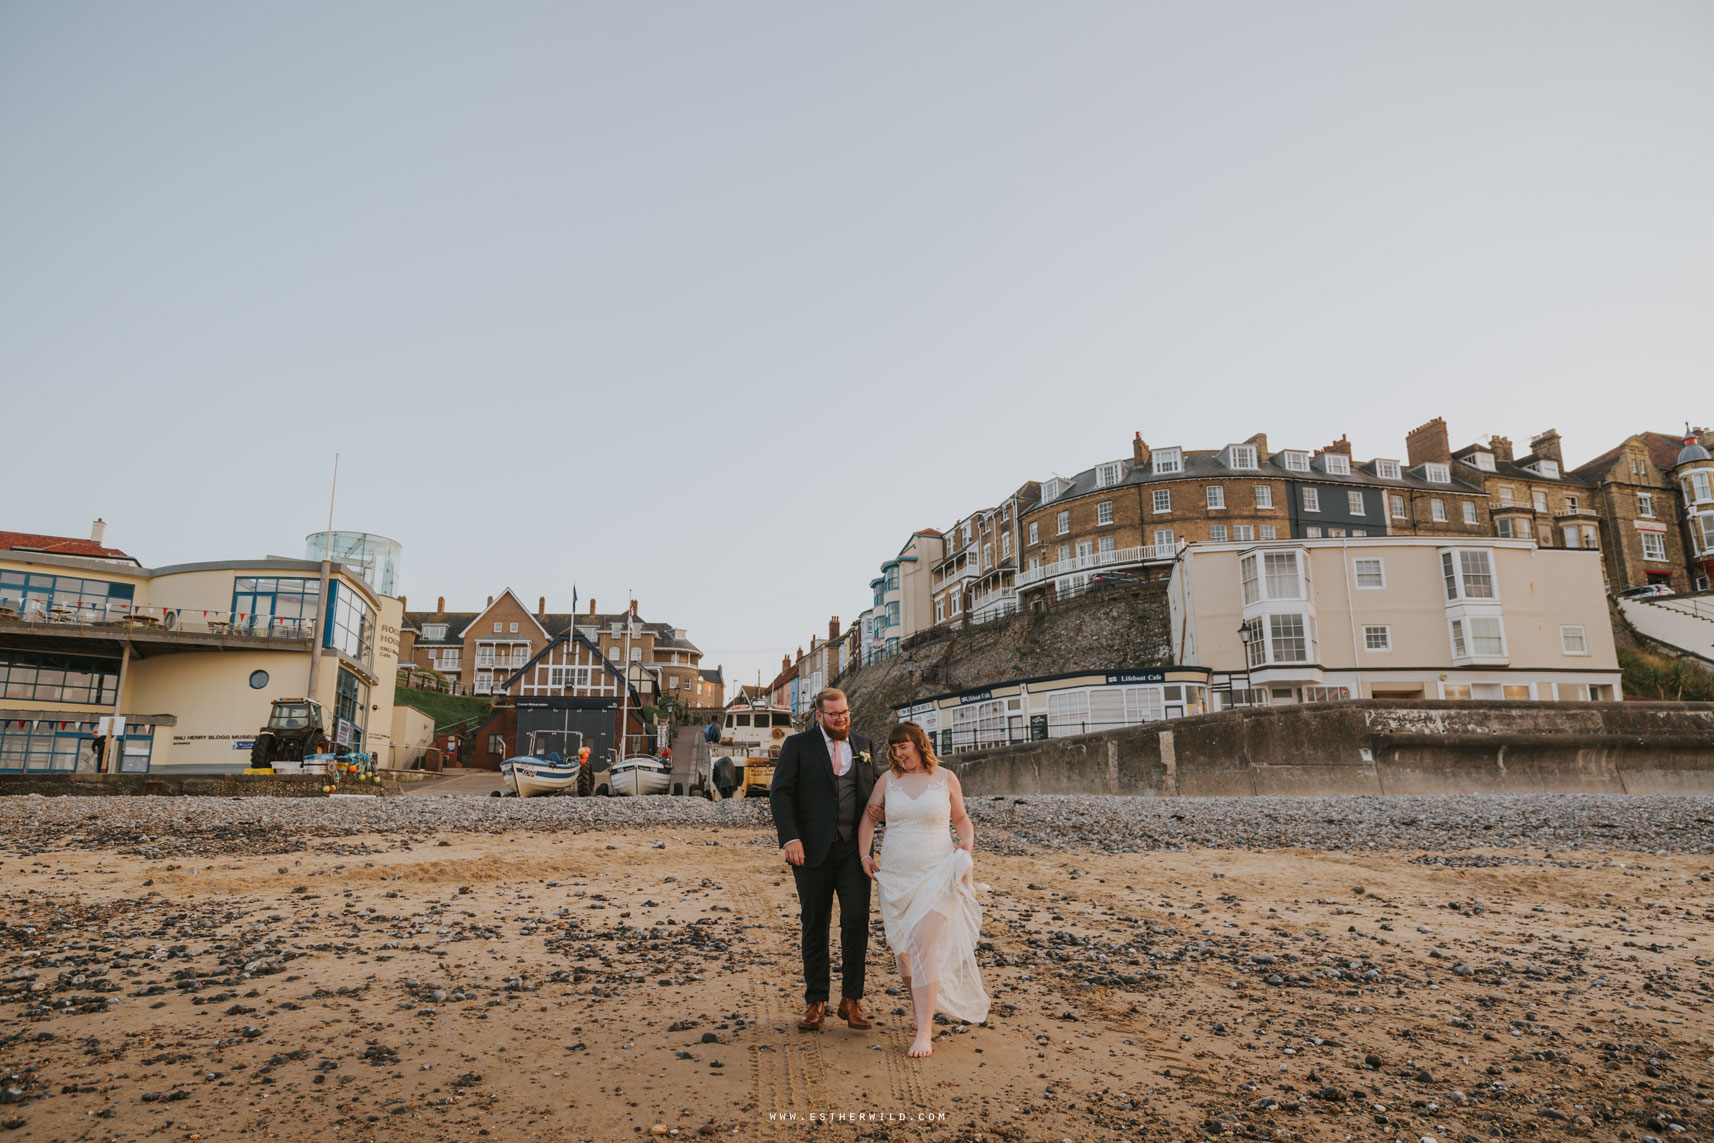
x=837, y=733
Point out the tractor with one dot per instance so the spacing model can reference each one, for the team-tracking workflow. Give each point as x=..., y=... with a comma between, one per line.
x=295, y=729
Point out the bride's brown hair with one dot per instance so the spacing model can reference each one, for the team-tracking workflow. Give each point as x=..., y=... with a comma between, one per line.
x=912, y=733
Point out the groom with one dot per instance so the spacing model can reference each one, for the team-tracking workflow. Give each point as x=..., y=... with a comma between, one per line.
x=821, y=783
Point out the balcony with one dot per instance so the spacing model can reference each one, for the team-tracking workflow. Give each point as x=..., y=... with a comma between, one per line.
x=161, y=627
x=1119, y=557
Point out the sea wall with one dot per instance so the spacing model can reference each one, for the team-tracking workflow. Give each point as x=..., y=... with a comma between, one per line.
x=183, y=785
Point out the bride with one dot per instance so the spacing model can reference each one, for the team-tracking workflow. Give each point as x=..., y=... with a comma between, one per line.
x=927, y=885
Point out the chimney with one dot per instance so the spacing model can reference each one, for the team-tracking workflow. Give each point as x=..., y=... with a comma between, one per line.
x=833, y=630
x=98, y=530
x=1260, y=440
x=1342, y=445
x=1501, y=447
x=1547, y=444
x=542, y=606
x=490, y=601
x=1428, y=444
x=785, y=663
x=633, y=607
x=800, y=654
x=1704, y=437
x=1139, y=451
x=440, y=605
x=404, y=604
x=592, y=605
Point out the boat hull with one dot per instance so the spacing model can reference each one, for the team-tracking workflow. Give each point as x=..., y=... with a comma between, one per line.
x=634, y=781
x=529, y=779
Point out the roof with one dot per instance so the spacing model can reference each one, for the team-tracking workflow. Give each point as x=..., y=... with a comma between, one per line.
x=1516, y=470
x=60, y=546
x=1662, y=448
x=714, y=676
x=456, y=622
x=555, y=623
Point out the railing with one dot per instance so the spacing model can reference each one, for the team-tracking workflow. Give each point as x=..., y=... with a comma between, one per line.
x=1097, y=560
x=119, y=616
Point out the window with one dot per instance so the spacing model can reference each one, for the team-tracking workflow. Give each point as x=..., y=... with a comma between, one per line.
x=1469, y=511
x=1163, y=539
x=1064, y=552
x=1249, y=578
x=287, y=607
x=1645, y=504
x=1539, y=499
x=1243, y=531
x=1654, y=546
x=1243, y=456
x=1049, y=490
x=1505, y=491
x=1571, y=535
x=1398, y=503
x=1267, y=532
x=1264, y=496
x=1437, y=509
x=44, y=744
x=1286, y=635
x=1104, y=512
x=1371, y=572
x=512, y=628
x=496, y=627
x=1455, y=691
x=957, y=603
x=1437, y=473
x=1483, y=461
x=353, y=627
x=1387, y=469
x=1064, y=522
x=1337, y=463
x=1296, y=461
x=1573, y=641
x=940, y=610
x=1282, y=575
x=1571, y=503
x=1168, y=460
x=1503, y=528
x=350, y=710
x=1378, y=638
x=1217, y=534
x=1311, y=500
x=1468, y=575
x=40, y=677
x=1699, y=487
x=1547, y=468
x=1005, y=545
x=568, y=676
x=1105, y=545
x=987, y=556
x=1312, y=533
x=1107, y=475
x=1216, y=495
x=1035, y=562
x=433, y=633
x=1354, y=502
x=966, y=531
x=1359, y=531
x=1477, y=637
x=1336, y=532
x=1035, y=537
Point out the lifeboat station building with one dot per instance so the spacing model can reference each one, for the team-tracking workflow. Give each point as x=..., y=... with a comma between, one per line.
x=1057, y=706
x=180, y=665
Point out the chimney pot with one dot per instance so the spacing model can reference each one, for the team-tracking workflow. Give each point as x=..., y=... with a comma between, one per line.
x=592, y=605
x=833, y=630
x=440, y=605
x=633, y=607
x=542, y=605
x=490, y=601
x=98, y=530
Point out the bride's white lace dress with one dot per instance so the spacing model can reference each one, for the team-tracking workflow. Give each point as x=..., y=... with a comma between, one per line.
x=928, y=898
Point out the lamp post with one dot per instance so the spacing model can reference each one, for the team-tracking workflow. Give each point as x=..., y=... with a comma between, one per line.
x=1246, y=636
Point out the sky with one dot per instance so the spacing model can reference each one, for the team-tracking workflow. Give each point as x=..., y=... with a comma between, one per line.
x=713, y=305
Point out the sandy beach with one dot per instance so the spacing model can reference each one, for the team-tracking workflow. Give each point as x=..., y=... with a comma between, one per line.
x=616, y=978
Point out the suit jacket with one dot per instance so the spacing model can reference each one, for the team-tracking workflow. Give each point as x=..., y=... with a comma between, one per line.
x=804, y=795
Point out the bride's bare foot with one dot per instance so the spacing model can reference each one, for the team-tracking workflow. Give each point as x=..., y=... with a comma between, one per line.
x=922, y=1046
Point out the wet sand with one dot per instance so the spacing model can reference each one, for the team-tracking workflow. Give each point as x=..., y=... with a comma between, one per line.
x=618, y=983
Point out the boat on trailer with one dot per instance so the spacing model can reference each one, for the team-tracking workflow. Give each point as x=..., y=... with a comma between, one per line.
x=639, y=775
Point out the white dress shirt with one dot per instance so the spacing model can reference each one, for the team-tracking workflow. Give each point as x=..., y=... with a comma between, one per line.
x=840, y=752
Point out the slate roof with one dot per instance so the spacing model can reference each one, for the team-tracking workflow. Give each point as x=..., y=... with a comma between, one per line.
x=1518, y=470
x=1663, y=449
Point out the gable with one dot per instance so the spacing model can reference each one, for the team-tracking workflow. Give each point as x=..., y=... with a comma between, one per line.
x=506, y=610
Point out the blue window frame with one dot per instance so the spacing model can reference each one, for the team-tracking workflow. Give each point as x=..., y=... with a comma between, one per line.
x=139, y=746
x=351, y=710
x=270, y=605
x=43, y=677
x=351, y=623
x=34, y=595
x=42, y=745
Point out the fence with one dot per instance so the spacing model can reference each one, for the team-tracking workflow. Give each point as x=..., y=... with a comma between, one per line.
x=123, y=615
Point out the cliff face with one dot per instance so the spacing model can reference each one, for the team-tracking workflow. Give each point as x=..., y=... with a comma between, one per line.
x=1115, y=629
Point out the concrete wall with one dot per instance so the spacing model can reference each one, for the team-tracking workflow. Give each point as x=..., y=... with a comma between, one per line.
x=180, y=785
x=1372, y=747
x=1682, y=621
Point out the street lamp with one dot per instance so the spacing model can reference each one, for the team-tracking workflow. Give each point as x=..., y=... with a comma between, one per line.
x=1246, y=635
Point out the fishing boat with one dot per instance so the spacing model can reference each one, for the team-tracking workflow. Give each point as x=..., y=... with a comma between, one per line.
x=744, y=748
x=640, y=774
x=528, y=777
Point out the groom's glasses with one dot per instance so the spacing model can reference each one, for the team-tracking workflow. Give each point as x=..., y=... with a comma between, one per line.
x=836, y=714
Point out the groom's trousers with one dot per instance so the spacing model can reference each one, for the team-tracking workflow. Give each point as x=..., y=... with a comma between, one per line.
x=840, y=874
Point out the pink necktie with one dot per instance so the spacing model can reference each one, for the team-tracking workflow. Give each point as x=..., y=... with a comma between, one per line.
x=838, y=756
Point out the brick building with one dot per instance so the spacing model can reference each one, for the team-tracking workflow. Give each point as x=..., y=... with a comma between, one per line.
x=976, y=578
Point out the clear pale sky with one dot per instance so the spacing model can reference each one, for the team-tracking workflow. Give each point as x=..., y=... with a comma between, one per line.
x=717, y=302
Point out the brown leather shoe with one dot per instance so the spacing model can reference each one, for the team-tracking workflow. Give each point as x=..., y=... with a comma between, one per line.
x=813, y=1015
x=852, y=1013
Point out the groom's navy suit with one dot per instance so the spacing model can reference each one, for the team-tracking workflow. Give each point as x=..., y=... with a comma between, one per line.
x=805, y=797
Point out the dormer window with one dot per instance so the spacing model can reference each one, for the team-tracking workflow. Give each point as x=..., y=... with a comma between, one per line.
x=1049, y=490
x=1337, y=463
x=1548, y=468
x=1482, y=460
x=1107, y=475
x=1168, y=461
x=434, y=632
x=1437, y=473
x=1296, y=461
x=1241, y=456
x=1387, y=469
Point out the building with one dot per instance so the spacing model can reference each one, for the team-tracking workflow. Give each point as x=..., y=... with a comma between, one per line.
x=903, y=592
x=1656, y=509
x=189, y=656
x=1057, y=706
x=1394, y=617
x=976, y=577
x=1134, y=514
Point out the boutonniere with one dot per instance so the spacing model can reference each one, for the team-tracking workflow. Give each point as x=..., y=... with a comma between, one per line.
x=863, y=757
